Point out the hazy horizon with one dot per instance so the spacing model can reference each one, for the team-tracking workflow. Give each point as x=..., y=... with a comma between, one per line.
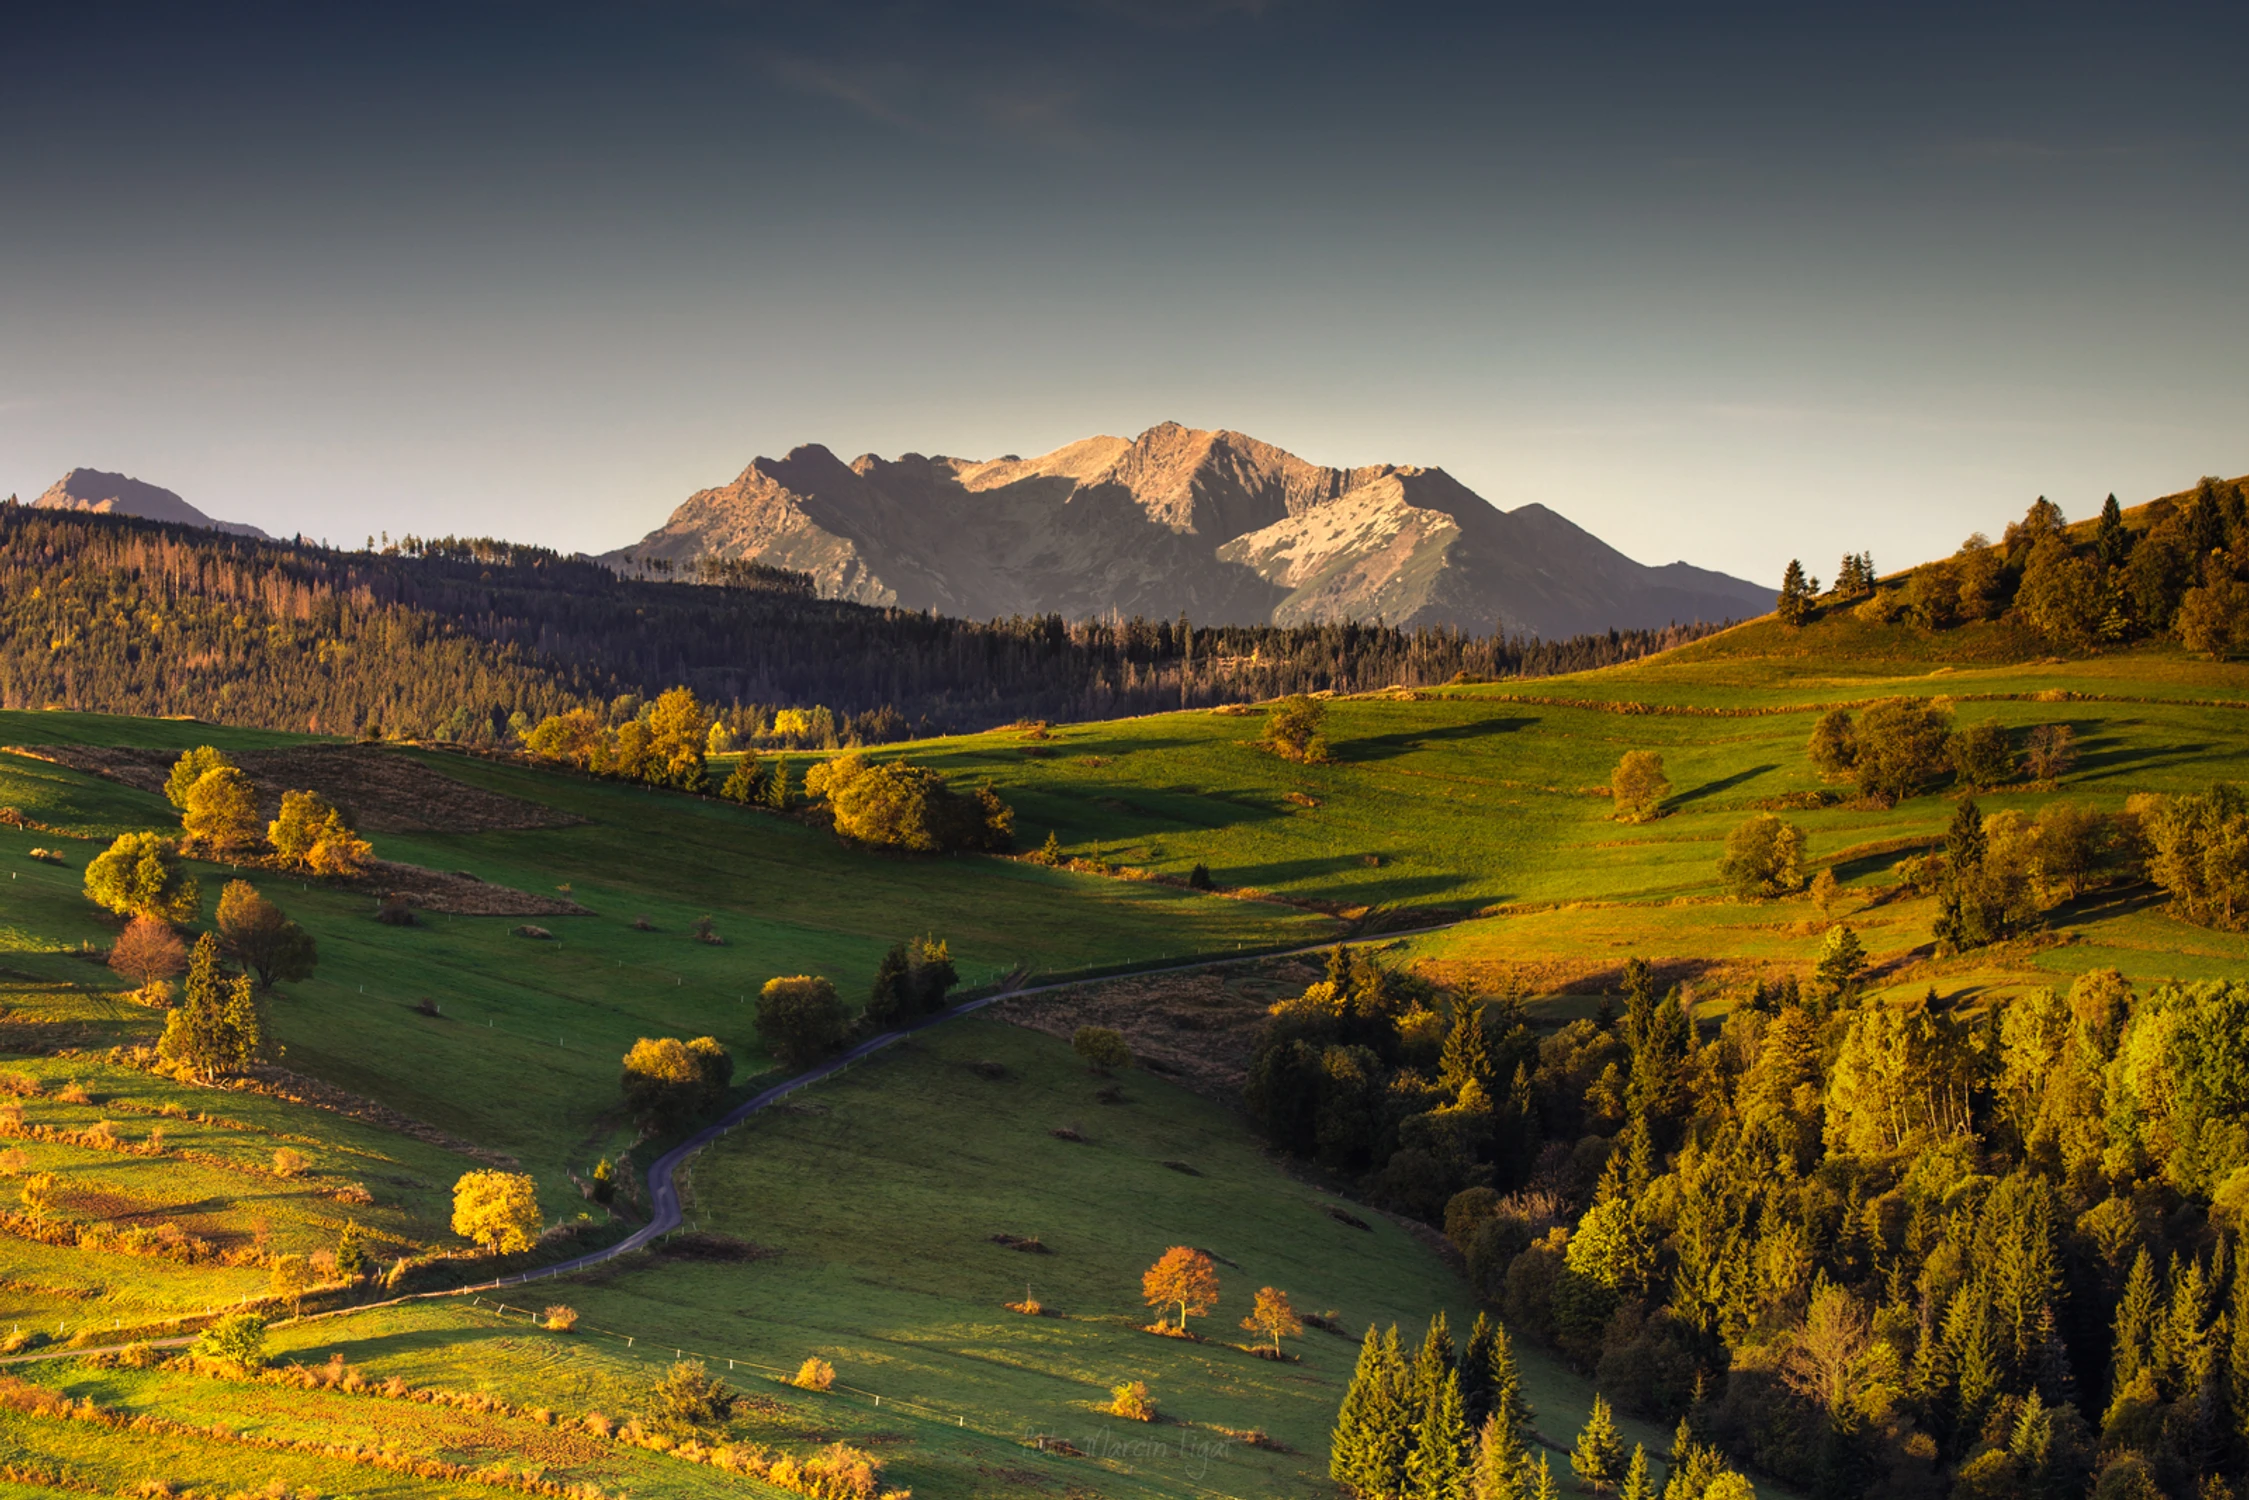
x=1726, y=289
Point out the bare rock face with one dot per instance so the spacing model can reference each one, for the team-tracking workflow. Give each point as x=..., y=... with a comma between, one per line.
x=1214, y=525
x=115, y=494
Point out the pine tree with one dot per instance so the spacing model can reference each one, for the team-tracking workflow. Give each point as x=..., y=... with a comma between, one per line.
x=1637, y=1484
x=1797, y=591
x=1437, y=1469
x=1476, y=1371
x=2136, y=1312
x=1598, y=1458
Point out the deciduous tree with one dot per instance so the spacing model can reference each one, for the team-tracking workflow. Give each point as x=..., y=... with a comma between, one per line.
x=188, y=770
x=1293, y=729
x=1271, y=1317
x=312, y=835
x=498, y=1210
x=148, y=950
x=1183, y=1277
x=1764, y=858
x=1638, y=785
x=254, y=931
x=221, y=813
x=800, y=1019
x=138, y=875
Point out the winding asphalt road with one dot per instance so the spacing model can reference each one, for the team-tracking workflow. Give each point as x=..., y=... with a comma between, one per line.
x=663, y=1184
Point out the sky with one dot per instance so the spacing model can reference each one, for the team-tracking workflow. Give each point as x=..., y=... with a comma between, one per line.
x=1726, y=284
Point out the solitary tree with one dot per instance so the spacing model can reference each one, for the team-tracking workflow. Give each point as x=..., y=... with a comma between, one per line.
x=669, y=1083
x=2049, y=752
x=254, y=932
x=138, y=876
x=1598, y=1458
x=148, y=950
x=221, y=814
x=800, y=1019
x=1271, y=1316
x=498, y=1210
x=1981, y=755
x=351, y=1252
x=1638, y=785
x=290, y=1277
x=1183, y=1278
x=236, y=1341
x=1292, y=729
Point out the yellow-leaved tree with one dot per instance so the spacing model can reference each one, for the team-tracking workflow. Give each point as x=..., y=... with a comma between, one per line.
x=498, y=1210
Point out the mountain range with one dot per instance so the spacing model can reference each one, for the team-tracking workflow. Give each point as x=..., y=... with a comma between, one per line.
x=1215, y=525
x=114, y=494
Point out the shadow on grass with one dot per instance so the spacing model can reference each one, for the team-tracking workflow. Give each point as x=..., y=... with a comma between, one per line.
x=1383, y=746
x=1714, y=788
x=1391, y=888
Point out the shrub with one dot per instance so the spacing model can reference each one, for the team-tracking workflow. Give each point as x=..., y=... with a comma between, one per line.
x=498, y=1210
x=815, y=1374
x=1764, y=859
x=139, y=876
x=669, y=1083
x=559, y=1319
x=1292, y=729
x=289, y=1162
x=148, y=950
x=1638, y=786
x=800, y=1019
x=1199, y=877
x=1132, y=1401
x=236, y=1341
x=689, y=1400
x=395, y=910
x=1101, y=1049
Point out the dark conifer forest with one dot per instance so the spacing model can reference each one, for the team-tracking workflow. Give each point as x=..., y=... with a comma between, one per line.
x=474, y=639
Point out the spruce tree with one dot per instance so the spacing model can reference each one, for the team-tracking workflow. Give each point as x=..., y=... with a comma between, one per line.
x=2237, y=1356
x=1476, y=1372
x=1797, y=591
x=1434, y=1362
x=1598, y=1458
x=1545, y=1488
x=1437, y=1469
x=351, y=1253
x=1508, y=1403
x=1637, y=1484
x=1386, y=1423
x=2136, y=1311
x=1467, y=1055
x=217, y=1027
x=1501, y=1464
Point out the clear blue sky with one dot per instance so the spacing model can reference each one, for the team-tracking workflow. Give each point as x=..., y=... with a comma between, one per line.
x=1728, y=286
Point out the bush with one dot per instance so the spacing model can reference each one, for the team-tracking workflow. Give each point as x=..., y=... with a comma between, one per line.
x=236, y=1341
x=1764, y=859
x=1292, y=729
x=898, y=805
x=395, y=910
x=139, y=876
x=800, y=1019
x=690, y=1400
x=1101, y=1049
x=669, y=1083
x=289, y=1162
x=559, y=1319
x=498, y=1210
x=1199, y=877
x=815, y=1374
x=1132, y=1402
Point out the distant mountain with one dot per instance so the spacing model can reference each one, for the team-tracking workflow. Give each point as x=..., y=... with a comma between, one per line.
x=1215, y=525
x=115, y=494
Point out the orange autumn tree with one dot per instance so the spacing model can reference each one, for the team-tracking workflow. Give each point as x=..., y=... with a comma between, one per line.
x=1183, y=1278
x=1272, y=1316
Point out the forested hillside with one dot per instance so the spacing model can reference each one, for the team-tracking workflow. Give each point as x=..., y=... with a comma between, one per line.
x=473, y=639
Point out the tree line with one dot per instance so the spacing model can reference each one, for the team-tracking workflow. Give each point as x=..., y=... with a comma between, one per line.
x=477, y=640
